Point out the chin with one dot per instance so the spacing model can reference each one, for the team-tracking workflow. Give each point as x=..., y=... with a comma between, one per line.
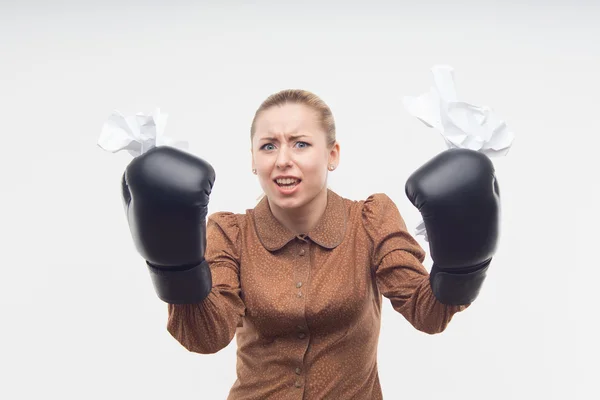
x=287, y=203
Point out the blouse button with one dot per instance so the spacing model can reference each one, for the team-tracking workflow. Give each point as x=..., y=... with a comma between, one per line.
x=301, y=335
x=298, y=384
x=302, y=251
x=297, y=371
x=299, y=284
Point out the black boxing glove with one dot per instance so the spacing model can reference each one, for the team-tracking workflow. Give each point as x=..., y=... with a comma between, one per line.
x=165, y=194
x=458, y=197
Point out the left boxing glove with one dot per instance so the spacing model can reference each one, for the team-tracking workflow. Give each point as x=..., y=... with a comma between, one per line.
x=458, y=196
x=165, y=194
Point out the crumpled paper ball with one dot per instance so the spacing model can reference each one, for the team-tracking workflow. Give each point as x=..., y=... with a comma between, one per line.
x=136, y=134
x=461, y=124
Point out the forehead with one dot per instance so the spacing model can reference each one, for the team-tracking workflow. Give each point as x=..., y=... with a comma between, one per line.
x=289, y=119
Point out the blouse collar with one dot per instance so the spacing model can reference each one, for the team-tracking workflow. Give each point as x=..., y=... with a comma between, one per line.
x=329, y=231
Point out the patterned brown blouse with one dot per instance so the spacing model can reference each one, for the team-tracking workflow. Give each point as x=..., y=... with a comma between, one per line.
x=306, y=309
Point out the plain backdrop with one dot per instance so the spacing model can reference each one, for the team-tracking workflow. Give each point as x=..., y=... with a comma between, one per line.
x=79, y=316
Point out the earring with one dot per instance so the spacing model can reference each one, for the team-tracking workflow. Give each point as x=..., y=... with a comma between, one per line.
x=331, y=167
x=254, y=171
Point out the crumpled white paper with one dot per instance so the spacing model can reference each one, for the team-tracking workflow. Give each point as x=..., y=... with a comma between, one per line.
x=462, y=125
x=136, y=134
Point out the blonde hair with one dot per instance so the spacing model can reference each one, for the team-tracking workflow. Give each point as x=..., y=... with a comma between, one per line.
x=298, y=96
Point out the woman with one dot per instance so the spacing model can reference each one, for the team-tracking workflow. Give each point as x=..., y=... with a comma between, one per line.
x=299, y=279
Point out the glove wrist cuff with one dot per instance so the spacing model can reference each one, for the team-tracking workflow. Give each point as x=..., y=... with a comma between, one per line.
x=181, y=286
x=458, y=286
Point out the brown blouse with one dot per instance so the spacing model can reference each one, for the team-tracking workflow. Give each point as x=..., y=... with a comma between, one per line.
x=306, y=309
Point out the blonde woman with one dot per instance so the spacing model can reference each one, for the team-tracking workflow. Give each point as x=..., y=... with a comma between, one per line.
x=300, y=278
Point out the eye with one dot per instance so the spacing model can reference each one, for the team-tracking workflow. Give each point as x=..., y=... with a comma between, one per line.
x=303, y=143
x=264, y=147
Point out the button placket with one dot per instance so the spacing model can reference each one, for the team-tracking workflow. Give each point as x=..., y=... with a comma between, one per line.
x=302, y=266
x=301, y=279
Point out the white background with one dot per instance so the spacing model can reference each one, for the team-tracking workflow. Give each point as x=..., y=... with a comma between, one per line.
x=79, y=317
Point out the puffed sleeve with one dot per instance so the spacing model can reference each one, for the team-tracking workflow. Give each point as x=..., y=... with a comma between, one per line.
x=210, y=326
x=397, y=262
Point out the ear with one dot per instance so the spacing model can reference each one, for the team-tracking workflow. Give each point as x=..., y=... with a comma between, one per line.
x=334, y=154
x=252, y=156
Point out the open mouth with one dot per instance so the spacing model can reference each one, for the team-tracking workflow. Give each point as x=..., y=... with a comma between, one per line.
x=287, y=183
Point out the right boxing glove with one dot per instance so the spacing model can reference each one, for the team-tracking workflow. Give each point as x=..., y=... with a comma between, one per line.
x=165, y=194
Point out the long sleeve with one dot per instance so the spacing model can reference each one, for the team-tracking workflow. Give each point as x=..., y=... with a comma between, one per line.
x=210, y=326
x=397, y=262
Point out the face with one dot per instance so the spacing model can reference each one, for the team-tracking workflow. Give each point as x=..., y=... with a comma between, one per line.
x=290, y=155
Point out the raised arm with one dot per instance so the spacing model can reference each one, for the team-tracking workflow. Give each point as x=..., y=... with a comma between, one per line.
x=166, y=193
x=396, y=262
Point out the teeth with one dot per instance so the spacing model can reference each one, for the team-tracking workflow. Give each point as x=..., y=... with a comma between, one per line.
x=287, y=181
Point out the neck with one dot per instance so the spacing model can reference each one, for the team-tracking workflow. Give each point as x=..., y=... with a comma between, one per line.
x=303, y=219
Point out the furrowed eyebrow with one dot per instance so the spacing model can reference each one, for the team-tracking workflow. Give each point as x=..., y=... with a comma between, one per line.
x=292, y=137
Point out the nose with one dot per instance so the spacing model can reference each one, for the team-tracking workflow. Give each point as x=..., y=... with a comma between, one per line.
x=283, y=158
